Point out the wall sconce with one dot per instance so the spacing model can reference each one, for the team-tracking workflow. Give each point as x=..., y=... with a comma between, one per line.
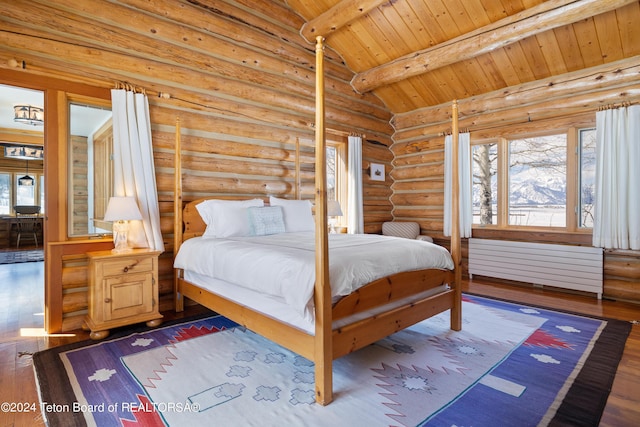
x=333, y=211
x=120, y=211
x=376, y=172
x=28, y=114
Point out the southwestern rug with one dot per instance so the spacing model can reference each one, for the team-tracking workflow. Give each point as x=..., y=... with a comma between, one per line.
x=511, y=365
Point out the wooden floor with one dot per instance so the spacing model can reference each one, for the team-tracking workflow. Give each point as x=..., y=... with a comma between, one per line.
x=21, y=311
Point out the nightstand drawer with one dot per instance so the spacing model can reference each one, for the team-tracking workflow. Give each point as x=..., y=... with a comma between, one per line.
x=129, y=265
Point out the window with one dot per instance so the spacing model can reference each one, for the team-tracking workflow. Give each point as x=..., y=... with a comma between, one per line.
x=531, y=181
x=12, y=194
x=485, y=183
x=337, y=176
x=331, y=172
x=538, y=181
x=587, y=158
x=5, y=194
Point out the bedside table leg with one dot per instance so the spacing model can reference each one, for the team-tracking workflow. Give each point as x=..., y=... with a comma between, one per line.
x=98, y=335
x=153, y=323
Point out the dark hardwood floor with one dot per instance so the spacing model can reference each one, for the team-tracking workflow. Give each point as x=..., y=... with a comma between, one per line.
x=21, y=312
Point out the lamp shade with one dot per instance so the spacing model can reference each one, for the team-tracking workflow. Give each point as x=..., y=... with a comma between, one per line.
x=26, y=180
x=333, y=208
x=122, y=208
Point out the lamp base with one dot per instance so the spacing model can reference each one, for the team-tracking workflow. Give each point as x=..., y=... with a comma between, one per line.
x=120, y=237
x=332, y=226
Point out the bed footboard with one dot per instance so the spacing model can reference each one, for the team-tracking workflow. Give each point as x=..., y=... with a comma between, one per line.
x=359, y=334
x=390, y=289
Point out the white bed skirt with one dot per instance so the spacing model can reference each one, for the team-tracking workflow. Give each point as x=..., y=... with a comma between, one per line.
x=277, y=308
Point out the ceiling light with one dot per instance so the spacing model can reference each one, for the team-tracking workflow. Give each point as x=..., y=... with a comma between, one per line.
x=26, y=180
x=24, y=152
x=28, y=114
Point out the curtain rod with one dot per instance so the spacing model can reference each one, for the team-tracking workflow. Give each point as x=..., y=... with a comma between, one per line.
x=614, y=106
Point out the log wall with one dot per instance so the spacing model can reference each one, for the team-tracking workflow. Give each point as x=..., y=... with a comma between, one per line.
x=239, y=78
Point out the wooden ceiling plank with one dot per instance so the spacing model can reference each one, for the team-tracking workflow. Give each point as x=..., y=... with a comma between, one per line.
x=430, y=23
x=477, y=13
x=569, y=47
x=373, y=51
x=443, y=18
x=491, y=71
x=403, y=35
x=385, y=27
x=628, y=18
x=534, y=57
x=587, y=39
x=412, y=21
x=608, y=36
x=460, y=17
x=507, y=70
x=337, y=17
x=403, y=98
x=482, y=75
x=550, y=47
x=548, y=15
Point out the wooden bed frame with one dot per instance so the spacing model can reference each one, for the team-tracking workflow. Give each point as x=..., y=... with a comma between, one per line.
x=327, y=343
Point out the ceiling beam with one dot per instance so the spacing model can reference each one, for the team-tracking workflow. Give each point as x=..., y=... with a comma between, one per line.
x=580, y=89
x=338, y=16
x=543, y=17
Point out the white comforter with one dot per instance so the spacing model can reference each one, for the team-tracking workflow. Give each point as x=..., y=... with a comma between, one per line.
x=283, y=265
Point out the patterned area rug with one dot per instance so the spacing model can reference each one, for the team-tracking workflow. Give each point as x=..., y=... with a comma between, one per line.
x=13, y=257
x=510, y=365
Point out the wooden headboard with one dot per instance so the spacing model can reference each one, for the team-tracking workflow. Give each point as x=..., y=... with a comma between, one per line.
x=194, y=226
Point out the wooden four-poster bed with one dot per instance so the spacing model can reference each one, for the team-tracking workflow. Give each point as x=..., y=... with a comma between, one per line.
x=339, y=326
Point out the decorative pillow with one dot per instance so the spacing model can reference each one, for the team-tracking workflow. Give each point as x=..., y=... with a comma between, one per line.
x=296, y=213
x=226, y=218
x=266, y=220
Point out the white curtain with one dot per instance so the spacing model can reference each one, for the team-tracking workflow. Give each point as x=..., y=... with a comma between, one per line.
x=133, y=168
x=617, y=206
x=355, y=215
x=464, y=179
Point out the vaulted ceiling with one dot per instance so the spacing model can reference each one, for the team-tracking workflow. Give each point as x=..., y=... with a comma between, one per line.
x=422, y=53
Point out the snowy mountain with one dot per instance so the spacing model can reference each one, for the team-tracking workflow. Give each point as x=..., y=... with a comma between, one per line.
x=552, y=192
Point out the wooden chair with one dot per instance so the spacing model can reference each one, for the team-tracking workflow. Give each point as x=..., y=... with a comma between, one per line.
x=27, y=227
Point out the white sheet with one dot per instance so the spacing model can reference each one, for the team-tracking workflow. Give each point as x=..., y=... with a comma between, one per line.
x=283, y=265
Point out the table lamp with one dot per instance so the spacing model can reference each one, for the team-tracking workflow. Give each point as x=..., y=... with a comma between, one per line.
x=333, y=210
x=120, y=211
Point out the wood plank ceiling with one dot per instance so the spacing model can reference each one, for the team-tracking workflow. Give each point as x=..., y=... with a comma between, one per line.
x=422, y=53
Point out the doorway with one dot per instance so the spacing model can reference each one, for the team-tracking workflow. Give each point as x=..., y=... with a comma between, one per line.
x=21, y=171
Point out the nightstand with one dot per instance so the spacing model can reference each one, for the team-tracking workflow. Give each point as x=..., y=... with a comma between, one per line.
x=123, y=290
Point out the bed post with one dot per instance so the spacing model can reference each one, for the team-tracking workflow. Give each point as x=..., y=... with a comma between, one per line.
x=177, y=216
x=456, y=309
x=323, y=352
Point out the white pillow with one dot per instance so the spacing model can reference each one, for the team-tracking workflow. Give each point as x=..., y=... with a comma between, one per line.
x=226, y=218
x=297, y=214
x=265, y=220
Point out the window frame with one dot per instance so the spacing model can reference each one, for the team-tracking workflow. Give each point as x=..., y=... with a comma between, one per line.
x=572, y=180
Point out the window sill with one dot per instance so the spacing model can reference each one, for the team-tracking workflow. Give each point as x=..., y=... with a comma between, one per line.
x=537, y=235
